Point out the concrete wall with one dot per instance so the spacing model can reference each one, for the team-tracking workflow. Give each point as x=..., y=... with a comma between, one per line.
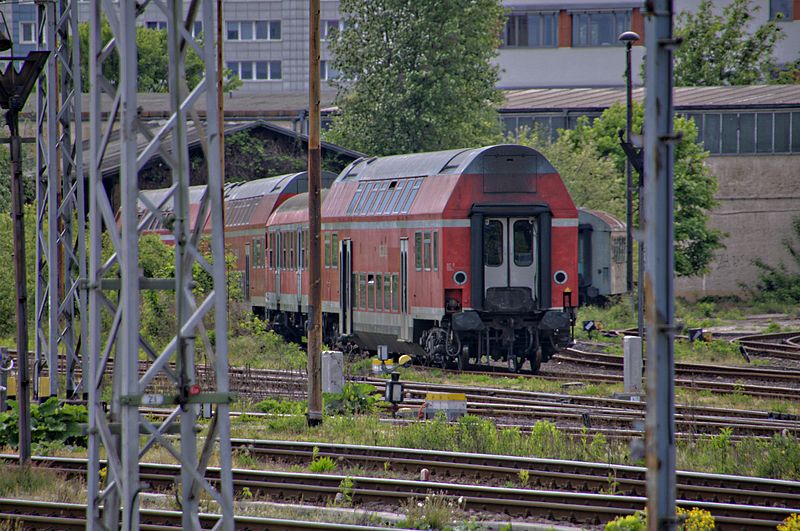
x=758, y=198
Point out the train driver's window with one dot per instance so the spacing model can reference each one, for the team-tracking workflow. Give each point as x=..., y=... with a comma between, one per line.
x=523, y=243
x=493, y=243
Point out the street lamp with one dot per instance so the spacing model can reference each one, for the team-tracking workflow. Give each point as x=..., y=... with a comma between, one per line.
x=15, y=87
x=628, y=38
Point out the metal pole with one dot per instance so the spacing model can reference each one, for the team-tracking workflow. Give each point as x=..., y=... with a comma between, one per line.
x=314, y=225
x=17, y=215
x=658, y=280
x=628, y=170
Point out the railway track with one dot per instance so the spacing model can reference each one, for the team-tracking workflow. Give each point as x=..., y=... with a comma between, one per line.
x=785, y=345
x=559, y=505
x=70, y=516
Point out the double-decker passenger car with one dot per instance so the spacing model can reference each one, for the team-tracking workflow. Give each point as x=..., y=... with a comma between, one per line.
x=457, y=256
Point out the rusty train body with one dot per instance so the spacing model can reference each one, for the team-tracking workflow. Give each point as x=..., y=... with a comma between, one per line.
x=458, y=257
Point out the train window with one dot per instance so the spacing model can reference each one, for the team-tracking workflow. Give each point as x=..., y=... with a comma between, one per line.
x=327, y=250
x=387, y=198
x=387, y=292
x=523, y=243
x=436, y=251
x=373, y=194
x=334, y=250
x=418, y=251
x=493, y=243
x=618, y=250
x=301, y=250
x=283, y=250
x=305, y=242
x=362, y=290
x=394, y=205
x=378, y=292
x=258, y=252
x=357, y=292
x=292, y=263
x=427, y=244
x=370, y=292
x=380, y=192
x=395, y=292
x=410, y=199
x=362, y=199
x=271, y=251
x=355, y=199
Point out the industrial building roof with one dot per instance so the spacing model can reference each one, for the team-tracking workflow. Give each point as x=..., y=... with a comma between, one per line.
x=590, y=99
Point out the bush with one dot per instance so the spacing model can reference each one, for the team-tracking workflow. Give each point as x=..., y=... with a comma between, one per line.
x=51, y=424
x=695, y=519
x=632, y=522
x=355, y=399
x=792, y=523
x=282, y=407
x=778, y=284
x=253, y=344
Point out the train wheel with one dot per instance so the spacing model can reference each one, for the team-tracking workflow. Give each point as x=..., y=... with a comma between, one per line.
x=535, y=358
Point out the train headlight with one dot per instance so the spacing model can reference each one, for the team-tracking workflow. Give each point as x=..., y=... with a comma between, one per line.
x=460, y=278
x=560, y=276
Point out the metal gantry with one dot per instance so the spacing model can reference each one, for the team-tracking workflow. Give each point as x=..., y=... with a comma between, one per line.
x=115, y=284
x=61, y=312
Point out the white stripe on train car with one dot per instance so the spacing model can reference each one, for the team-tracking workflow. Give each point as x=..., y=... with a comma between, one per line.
x=565, y=222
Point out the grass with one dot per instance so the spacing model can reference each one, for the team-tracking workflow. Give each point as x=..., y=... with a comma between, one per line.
x=778, y=457
x=40, y=484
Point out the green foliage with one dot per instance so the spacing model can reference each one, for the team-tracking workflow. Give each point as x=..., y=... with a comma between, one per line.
x=346, y=490
x=321, y=464
x=51, y=424
x=153, y=63
x=279, y=406
x=632, y=522
x=435, y=511
x=249, y=157
x=790, y=523
x=252, y=343
x=355, y=399
x=8, y=292
x=694, y=185
x=724, y=49
x=416, y=75
x=779, y=284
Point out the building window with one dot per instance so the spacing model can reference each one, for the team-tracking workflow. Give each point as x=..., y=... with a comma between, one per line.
x=156, y=25
x=531, y=30
x=781, y=10
x=27, y=35
x=326, y=71
x=256, y=70
x=253, y=30
x=327, y=28
x=599, y=28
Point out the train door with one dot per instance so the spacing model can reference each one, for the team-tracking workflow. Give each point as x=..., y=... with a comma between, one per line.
x=301, y=257
x=246, y=272
x=345, y=287
x=509, y=253
x=280, y=258
x=405, y=318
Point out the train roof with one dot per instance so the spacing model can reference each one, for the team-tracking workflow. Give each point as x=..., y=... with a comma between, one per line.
x=291, y=183
x=614, y=224
x=490, y=159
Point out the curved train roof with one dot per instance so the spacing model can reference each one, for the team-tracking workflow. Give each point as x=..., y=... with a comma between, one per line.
x=609, y=220
x=292, y=183
x=491, y=159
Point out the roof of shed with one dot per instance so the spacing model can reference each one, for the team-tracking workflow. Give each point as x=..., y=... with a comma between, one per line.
x=685, y=98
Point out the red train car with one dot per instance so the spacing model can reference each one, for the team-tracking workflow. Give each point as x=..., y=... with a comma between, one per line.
x=457, y=256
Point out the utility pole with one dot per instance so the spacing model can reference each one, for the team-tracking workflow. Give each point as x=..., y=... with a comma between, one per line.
x=659, y=140
x=15, y=87
x=314, y=224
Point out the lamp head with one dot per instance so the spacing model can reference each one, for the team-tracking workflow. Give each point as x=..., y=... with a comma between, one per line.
x=629, y=37
x=5, y=36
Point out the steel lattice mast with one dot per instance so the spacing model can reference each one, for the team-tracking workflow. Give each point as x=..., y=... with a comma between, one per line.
x=115, y=284
x=61, y=312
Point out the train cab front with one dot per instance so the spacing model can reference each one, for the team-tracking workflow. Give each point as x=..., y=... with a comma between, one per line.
x=517, y=274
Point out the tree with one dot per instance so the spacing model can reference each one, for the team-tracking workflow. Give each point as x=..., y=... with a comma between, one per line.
x=151, y=46
x=416, y=75
x=572, y=155
x=720, y=50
